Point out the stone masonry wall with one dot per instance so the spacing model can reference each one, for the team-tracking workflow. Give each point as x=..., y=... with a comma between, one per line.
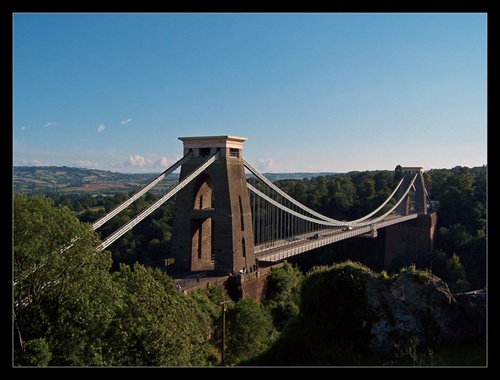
x=412, y=241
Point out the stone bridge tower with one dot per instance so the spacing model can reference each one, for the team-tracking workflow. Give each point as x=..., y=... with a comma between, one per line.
x=212, y=226
x=420, y=195
x=412, y=241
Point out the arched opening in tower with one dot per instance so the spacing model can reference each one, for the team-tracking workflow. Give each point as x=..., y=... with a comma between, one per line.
x=201, y=226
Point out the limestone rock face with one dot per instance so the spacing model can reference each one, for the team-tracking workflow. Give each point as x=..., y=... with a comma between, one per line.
x=422, y=307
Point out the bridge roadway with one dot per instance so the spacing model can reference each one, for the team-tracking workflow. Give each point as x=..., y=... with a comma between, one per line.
x=280, y=250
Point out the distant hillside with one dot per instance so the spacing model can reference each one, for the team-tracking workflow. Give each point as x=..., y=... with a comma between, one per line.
x=68, y=180
x=63, y=179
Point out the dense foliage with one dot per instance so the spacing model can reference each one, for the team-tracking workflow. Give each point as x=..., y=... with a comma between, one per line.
x=461, y=244
x=329, y=328
x=70, y=309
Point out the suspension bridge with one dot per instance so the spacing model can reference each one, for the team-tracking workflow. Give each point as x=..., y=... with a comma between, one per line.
x=229, y=216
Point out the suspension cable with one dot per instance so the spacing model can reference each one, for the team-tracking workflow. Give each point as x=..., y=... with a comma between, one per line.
x=307, y=209
x=128, y=226
x=98, y=223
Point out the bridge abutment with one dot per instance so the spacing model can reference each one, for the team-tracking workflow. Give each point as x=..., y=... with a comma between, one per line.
x=410, y=242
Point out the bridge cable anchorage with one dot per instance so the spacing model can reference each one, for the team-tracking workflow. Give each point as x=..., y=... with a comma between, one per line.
x=129, y=225
x=98, y=223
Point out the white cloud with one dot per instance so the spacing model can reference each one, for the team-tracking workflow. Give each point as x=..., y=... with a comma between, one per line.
x=101, y=128
x=23, y=128
x=126, y=121
x=49, y=124
x=163, y=162
x=31, y=163
x=265, y=164
x=85, y=164
x=137, y=160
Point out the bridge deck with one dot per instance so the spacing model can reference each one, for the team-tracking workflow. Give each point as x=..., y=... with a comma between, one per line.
x=278, y=251
x=281, y=250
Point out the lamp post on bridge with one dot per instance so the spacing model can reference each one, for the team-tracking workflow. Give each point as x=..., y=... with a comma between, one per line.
x=223, y=340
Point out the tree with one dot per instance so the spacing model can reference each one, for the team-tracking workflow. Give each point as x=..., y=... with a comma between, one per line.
x=457, y=278
x=249, y=331
x=343, y=197
x=398, y=173
x=63, y=295
x=473, y=256
x=368, y=189
x=155, y=325
x=283, y=294
x=69, y=310
x=450, y=270
x=457, y=201
x=452, y=238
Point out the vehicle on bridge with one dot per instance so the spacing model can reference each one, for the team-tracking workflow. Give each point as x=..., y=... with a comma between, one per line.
x=315, y=236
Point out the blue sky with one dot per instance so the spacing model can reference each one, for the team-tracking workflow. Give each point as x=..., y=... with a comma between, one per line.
x=312, y=92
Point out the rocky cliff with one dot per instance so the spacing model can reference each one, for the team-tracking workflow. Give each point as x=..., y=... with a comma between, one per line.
x=416, y=305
